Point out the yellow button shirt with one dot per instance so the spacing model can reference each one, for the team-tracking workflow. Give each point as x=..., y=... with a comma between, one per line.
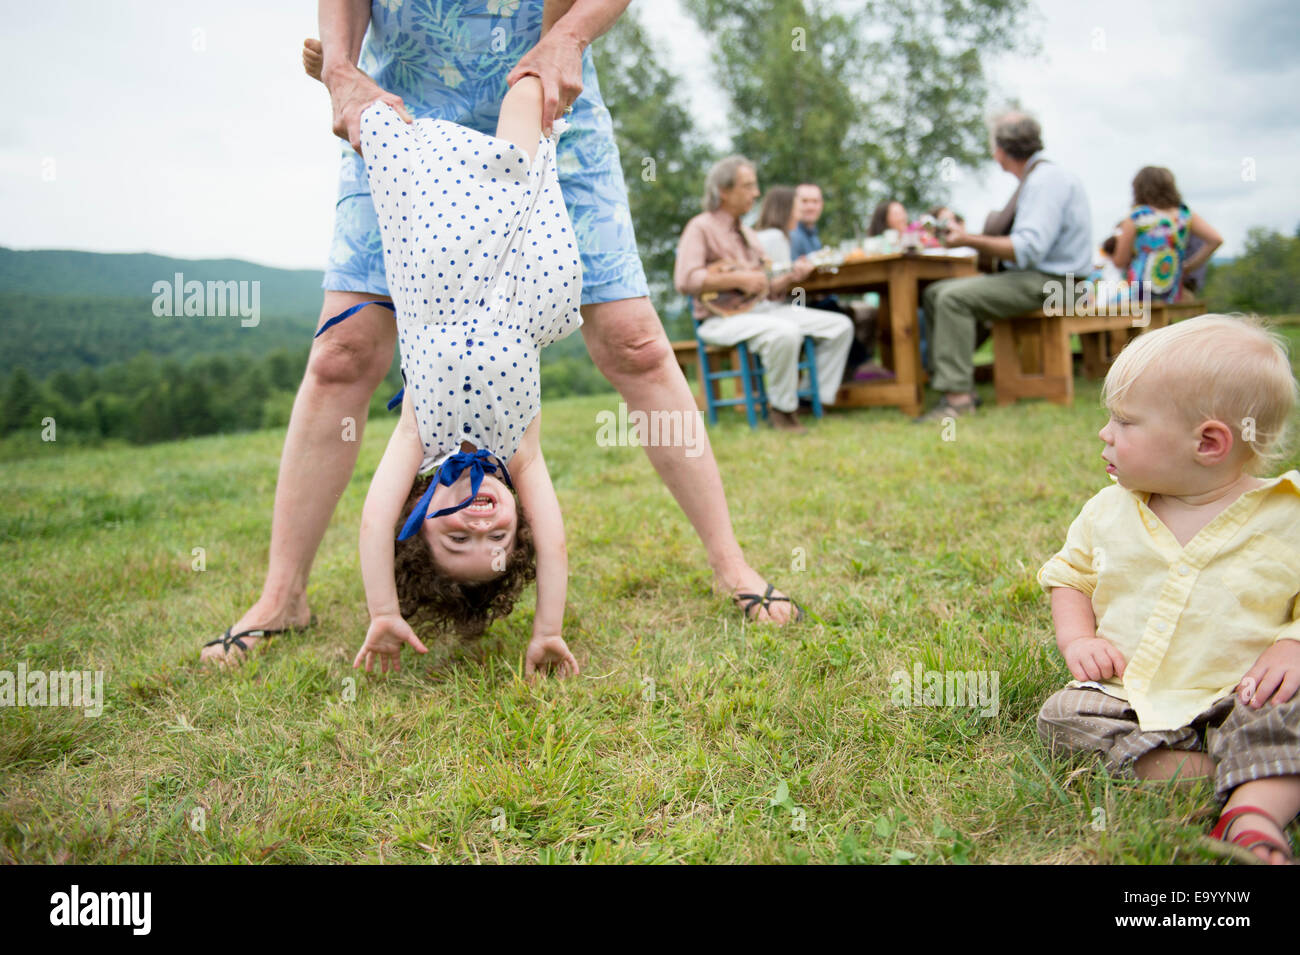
x=1189, y=621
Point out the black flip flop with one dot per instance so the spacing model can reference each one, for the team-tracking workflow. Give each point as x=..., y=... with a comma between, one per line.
x=748, y=601
x=229, y=639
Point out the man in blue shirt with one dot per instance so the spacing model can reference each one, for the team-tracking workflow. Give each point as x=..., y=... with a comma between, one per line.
x=1049, y=246
x=808, y=206
x=804, y=240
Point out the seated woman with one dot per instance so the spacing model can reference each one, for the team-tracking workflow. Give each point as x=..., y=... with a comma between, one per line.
x=776, y=221
x=716, y=254
x=889, y=214
x=1153, y=239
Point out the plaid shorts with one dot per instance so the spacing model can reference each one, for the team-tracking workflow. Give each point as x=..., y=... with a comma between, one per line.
x=1245, y=744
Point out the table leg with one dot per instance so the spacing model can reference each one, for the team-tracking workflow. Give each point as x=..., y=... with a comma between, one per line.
x=906, y=341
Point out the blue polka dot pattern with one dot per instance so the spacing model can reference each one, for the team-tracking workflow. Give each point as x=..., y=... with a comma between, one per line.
x=483, y=268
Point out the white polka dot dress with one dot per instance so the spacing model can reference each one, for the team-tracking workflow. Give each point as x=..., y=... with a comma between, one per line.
x=483, y=269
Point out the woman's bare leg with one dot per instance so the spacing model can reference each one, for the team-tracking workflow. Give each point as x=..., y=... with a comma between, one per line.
x=520, y=119
x=627, y=342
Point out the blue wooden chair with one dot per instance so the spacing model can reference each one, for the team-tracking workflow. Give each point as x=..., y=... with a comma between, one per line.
x=748, y=368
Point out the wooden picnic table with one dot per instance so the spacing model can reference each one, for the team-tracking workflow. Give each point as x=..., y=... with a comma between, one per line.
x=898, y=278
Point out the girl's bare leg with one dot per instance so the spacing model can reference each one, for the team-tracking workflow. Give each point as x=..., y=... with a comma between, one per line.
x=520, y=120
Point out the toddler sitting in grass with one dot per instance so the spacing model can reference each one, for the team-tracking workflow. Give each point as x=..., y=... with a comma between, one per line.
x=1176, y=597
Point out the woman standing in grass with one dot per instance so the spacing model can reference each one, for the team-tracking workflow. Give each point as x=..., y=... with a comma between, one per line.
x=481, y=260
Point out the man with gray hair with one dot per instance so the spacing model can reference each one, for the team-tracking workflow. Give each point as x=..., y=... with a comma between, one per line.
x=1041, y=240
x=716, y=254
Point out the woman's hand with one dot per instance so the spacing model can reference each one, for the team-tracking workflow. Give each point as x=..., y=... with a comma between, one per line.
x=557, y=61
x=351, y=91
x=549, y=653
x=387, y=635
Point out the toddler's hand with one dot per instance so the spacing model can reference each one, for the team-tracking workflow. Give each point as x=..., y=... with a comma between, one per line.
x=1275, y=675
x=387, y=635
x=551, y=653
x=1093, y=658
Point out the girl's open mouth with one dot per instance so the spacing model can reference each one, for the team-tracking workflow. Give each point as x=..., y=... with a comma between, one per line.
x=482, y=504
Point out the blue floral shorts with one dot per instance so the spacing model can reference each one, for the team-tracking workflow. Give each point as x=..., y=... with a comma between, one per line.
x=449, y=60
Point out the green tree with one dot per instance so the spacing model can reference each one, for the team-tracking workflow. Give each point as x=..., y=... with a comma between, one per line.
x=882, y=98
x=21, y=397
x=663, y=156
x=1264, y=279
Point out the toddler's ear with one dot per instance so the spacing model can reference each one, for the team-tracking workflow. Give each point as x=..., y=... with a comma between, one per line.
x=1215, y=442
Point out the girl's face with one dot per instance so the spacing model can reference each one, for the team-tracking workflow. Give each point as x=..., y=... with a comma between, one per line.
x=472, y=544
x=896, y=217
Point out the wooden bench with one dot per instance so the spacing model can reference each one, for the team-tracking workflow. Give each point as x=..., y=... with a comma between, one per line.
x=1032, y=356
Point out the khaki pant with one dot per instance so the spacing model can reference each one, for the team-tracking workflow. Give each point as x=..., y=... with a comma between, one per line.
x=776, y=333
x=953, y=307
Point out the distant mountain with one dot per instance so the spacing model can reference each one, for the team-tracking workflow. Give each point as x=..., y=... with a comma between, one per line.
x=65, y=310
x=132, y=275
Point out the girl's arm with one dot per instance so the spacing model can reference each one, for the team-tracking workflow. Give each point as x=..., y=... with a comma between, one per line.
x=1209, y=235
x=537, y=496
x=1124, y=244
x=389, y=489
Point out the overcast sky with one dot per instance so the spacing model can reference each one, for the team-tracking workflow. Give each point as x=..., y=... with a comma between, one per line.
x=187, y=127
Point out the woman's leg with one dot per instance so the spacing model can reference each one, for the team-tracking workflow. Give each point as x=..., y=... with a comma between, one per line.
x=346, y=364
x=627, y=342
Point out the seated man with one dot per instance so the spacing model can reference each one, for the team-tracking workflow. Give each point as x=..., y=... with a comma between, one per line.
x=718, y=254
x=804, y=241
x=1050, y=244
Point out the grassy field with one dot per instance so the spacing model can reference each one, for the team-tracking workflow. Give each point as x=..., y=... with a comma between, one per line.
x=689, y=737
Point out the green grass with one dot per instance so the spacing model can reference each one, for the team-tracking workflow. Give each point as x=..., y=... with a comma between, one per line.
x=689, y=737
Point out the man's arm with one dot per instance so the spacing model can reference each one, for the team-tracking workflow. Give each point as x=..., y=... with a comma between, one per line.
x=1040, y=217
x=998, y=246
x=389, y=489
x=568, y=28
x=343, y=26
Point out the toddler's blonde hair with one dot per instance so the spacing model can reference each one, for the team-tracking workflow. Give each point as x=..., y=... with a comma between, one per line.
x=1230, y=368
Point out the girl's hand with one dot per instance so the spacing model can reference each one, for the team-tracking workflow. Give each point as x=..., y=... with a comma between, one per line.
x=550, y=653
x=387, y=635
x=1093, y=658
x=1275, y=675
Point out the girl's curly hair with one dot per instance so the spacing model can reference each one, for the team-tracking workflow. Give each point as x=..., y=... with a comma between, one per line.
x=426, y=593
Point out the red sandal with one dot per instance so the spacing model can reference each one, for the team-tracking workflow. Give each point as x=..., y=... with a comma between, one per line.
x=1249, y=838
